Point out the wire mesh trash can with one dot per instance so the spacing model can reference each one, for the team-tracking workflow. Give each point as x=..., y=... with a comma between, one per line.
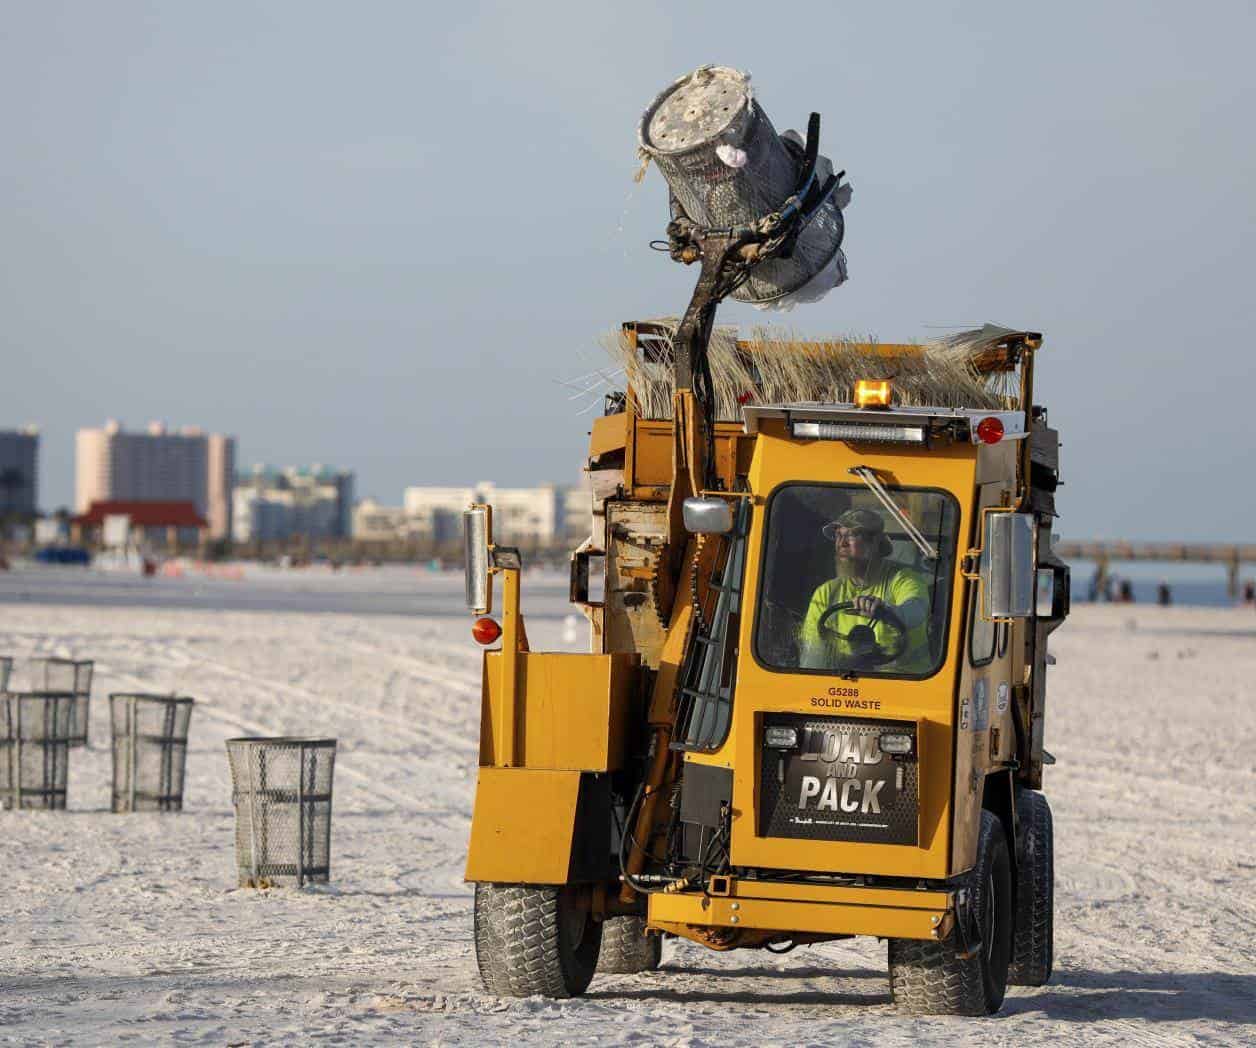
x=150, y=751
x=35, y=736
x=67, y=675
x=281, y=790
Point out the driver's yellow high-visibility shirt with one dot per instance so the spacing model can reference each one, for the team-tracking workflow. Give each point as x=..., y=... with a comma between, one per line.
x=892, y=583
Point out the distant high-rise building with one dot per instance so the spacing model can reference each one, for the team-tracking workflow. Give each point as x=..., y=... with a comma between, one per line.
x=273, y=505
x=157, y=465
x=436, y=512
x=19, y=473
x=528, y=516
x=221, y=479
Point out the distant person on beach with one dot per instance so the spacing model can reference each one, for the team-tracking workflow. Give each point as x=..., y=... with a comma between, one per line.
x=1249, y=592
x=1125, y=593
x=1164, y=595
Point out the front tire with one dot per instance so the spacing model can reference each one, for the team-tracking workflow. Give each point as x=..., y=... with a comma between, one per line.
x=1033, y=948
x=627, y=949
x=531, y=940
x=928, y=977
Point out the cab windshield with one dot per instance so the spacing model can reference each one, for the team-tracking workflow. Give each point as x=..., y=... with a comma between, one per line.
x=846, y=591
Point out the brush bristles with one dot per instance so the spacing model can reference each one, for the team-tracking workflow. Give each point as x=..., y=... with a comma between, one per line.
x=770, y=369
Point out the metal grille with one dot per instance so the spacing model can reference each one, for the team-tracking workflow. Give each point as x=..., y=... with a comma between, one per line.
x=709, y=112
x=35, y=736
x=281, y=790
x=150, y=749
x=67, y=675
x=842, y=751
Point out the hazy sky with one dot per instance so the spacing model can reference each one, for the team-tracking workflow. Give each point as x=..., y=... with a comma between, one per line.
x=385, y=235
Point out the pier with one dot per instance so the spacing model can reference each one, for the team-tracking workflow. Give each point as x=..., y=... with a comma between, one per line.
x=1104, y=552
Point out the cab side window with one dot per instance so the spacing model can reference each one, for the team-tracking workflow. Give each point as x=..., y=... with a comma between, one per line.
x=981, y=635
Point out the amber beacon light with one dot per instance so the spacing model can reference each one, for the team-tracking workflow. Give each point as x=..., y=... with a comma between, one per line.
x=870, y=393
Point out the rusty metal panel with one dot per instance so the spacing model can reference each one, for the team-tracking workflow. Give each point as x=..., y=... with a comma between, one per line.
x=635, y=537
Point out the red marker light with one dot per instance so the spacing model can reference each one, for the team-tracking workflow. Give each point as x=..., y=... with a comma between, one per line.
x=990, y=430
x=485, y=630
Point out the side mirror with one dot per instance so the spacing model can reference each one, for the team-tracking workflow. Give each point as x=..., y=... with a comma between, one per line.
x=708, y=516
x=1008, y=566
x=476, y=534
x=1052, y=600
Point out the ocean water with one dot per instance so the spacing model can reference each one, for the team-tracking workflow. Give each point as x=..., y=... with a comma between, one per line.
x=1188, y=583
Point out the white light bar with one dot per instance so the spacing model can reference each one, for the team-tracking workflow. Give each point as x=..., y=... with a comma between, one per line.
x=860, y=432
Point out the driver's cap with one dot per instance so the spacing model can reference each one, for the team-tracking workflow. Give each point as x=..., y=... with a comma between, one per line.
x=867, y=520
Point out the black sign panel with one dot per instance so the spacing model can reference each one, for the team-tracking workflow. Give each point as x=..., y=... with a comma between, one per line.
x=836, y=784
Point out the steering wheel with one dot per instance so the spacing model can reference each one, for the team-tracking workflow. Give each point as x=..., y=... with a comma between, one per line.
x=862, y=640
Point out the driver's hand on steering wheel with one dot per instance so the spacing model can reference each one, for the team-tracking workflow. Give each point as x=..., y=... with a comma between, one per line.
x=868, y=605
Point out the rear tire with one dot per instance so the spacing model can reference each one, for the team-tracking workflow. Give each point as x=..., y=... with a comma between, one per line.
x=1033, y=944
x=534, y=941
x=627, y=949
x=929, y=978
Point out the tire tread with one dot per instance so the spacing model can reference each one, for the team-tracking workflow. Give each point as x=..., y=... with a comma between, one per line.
x=518, y=947
x=1033, y=945
x=627, y=949
x=927, y=977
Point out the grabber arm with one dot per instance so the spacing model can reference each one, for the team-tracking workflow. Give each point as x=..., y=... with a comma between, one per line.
x=727, y=258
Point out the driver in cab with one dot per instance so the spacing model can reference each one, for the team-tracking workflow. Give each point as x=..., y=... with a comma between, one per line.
x=881, y=605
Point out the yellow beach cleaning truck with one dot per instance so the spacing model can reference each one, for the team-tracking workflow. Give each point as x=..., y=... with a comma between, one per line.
x=819, y=586
x=775, y=741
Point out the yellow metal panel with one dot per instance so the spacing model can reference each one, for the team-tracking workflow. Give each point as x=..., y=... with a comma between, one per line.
x=573, y=710
x=522, y=826
x=931, y=702
x=828, y=918
x=652, y=455
x=507, y=736
x=610, y=433
x=649, y=464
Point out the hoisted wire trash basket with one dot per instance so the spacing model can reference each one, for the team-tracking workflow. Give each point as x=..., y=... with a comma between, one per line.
x=69, y=675
x=281, y=790
x=35, y=736
x=150, y=751
x=727, y=167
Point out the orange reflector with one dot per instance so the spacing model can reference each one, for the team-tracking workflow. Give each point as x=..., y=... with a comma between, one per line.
x=485, y=630
x=990, y=430
x=871, y=393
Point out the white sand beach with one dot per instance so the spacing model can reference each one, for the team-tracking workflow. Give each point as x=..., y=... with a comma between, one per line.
x=131, y=926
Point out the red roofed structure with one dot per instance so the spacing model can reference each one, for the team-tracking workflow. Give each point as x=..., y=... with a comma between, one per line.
x=161, y=523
